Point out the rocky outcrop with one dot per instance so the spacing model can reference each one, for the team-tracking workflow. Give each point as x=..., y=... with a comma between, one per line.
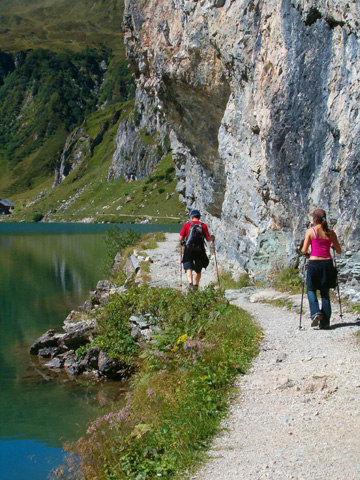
x=72, y=154
x=7, y=66
x=262, y=102
x=142, y=141
x=57, y=351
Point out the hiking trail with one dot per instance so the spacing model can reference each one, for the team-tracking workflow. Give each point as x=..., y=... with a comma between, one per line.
x=296, y=413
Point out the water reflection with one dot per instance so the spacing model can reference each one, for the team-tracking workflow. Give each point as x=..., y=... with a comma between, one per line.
x=42, y=278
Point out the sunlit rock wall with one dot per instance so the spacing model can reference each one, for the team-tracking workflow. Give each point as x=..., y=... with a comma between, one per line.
x=262, y=99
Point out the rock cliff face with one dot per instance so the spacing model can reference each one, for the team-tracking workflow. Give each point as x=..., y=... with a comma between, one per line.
x=262, y=100
x=142, y=140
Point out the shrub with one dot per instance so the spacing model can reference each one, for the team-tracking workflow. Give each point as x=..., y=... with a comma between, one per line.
x=37, y=217
x=287, y=280
x=117, y=239
x=227, y=280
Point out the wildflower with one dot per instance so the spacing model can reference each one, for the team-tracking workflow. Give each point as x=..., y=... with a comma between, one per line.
x=182, y=339
x=150, y=393
x=197, y=345
x=124, y=413
x=158, y=354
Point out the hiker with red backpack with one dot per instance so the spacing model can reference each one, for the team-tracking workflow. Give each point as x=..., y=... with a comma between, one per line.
x=193, y=235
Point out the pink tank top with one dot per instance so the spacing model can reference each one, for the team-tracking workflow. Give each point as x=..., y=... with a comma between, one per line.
x=320, y=247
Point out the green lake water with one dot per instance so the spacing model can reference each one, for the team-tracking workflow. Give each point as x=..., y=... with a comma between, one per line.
x=46, y=270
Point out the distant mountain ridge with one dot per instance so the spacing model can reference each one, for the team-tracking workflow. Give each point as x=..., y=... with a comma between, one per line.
x=65, y=90
x=70, y=138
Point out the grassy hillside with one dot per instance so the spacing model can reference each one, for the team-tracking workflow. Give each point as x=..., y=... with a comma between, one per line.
x=60, y=24
x=86, y=195
x=64, y=68
x=43, y=100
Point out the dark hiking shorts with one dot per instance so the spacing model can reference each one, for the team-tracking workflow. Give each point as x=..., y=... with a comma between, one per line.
x=195, y=264
x=321, y=274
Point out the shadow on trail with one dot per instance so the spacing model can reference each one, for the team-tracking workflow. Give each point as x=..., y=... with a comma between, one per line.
x=345, y=324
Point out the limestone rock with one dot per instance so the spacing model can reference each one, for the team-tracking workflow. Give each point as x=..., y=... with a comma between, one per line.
x=260, y=100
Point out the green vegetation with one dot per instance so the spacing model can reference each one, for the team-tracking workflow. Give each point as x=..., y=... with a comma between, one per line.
x=60, y=24
x=287, y=280
x=355, y=307
x=86, y=192
x=280, y=303
x=66, y=81
x=45, y=98
x=227, y=281
x=180, y=391
x=38, y=217
x=117, y=240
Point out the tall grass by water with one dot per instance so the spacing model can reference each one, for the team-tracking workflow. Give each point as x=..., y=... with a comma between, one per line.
x=181, y=389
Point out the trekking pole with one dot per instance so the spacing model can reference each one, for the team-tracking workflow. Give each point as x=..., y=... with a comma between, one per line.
x=180, y=265
x=337, y=282
x=302, y=293
x=217, y=270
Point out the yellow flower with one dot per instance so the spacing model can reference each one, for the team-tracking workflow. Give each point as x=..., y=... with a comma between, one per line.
x=182, y=339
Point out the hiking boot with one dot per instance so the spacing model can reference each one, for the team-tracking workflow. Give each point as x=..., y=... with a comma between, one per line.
x=191, y=287
x=316, y=319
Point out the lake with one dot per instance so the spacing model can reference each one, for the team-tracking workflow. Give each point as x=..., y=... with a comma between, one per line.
x=46, y=270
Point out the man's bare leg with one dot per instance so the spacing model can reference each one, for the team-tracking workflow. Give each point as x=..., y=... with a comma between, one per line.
x=189, y=276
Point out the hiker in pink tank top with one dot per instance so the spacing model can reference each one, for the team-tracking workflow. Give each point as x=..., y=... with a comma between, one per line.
x=321, y=274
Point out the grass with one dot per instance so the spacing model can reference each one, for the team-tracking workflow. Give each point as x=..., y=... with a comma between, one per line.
x=60, y=24
x=87, y=194
x=355, y=307
x=227, y=281
x=180, y=392
x=60, y=48
x=287, y=280
x=280, y=303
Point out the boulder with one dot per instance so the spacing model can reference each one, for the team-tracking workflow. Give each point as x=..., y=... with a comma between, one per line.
x=48, y=352
x=109, y=367
x=102, y=292
x=86, y=306
x=48, y=339
x=90, y=361
x=75, y=339
x=72, y=365
x=104, y=286
x=57, y=362
x=117, y=262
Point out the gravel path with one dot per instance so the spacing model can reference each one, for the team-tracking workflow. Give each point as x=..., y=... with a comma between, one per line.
x=297, y=412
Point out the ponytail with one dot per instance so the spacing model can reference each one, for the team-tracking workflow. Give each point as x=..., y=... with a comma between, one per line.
x=319, y=216
x=325, y=227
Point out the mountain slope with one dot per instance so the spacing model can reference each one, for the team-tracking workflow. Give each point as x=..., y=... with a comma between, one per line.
x=59, y=24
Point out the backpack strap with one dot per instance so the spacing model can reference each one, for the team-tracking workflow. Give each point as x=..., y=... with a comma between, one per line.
x=188, y=232
x=313, y=229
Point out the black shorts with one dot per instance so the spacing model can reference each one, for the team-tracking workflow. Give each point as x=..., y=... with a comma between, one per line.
x=321, y=274
x=196, y=264
x=195, y=260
